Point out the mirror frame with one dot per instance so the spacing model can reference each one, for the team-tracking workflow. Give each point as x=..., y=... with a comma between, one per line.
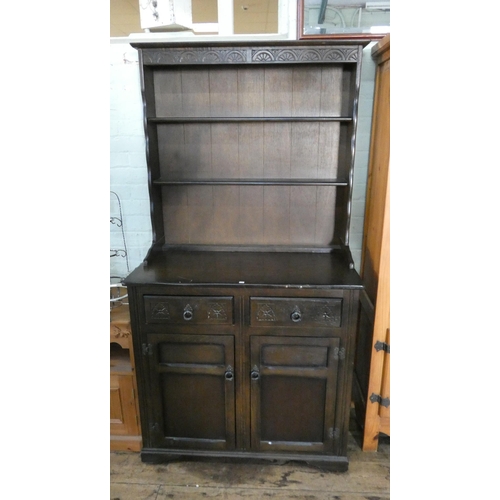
x=329, y=36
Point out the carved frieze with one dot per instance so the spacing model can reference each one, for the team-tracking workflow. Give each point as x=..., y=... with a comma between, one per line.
x=195, y=55
x=305, y=54
x=327, y=316
x=297, y=312
x=120, y=333
x=216, y=311
x=265, y=313
x=184, y=310
x=160, y=311
x=248, y=55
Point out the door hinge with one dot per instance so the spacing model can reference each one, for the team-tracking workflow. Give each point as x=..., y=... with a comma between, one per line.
x=333, y=433
x=382, y=346
x=339, y=353
x=147, y=349
x=376, y=398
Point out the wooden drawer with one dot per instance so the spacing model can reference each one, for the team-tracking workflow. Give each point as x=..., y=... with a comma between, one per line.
x=188, y=310
x=274, y=311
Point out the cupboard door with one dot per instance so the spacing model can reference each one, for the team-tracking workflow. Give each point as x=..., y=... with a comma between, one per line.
x=293, y=384
x=122, y=406
x=193, y=391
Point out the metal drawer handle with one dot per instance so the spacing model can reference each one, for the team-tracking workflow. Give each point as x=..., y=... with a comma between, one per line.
x=255, y=375
x=188, y=313
x=296, y=315
x=229, y=375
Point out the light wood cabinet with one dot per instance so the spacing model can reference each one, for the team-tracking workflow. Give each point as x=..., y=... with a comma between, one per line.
x=124, y=412
x=372, y=366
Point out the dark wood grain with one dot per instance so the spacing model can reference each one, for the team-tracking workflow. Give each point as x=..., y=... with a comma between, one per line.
x=244, y=310
x=251, y=268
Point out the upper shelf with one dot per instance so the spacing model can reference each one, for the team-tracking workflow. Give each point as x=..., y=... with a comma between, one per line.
x=226, y=119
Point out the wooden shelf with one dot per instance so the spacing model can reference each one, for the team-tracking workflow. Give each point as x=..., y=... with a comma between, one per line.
x=120, y=361
x=121, y=369
x=253, y=182
x=301, y=269
x=229, y=119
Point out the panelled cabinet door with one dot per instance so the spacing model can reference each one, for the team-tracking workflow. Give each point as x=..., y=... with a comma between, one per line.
x=192, y=391
x=293, y=384
x=122, y=406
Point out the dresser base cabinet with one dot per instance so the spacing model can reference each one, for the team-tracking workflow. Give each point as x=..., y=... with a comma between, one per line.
x=247, y=371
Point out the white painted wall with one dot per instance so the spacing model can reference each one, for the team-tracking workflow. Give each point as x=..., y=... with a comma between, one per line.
x=365, y=107
x=128, y=171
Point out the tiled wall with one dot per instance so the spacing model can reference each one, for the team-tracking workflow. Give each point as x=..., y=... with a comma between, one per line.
x=128, y=173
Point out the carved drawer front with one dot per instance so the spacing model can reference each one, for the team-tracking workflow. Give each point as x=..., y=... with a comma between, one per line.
x=273, y=311
x=192, y=310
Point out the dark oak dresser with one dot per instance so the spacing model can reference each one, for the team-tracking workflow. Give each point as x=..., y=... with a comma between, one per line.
x=244, y=310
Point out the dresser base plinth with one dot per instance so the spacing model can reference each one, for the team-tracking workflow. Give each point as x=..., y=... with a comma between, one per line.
x=328, y=462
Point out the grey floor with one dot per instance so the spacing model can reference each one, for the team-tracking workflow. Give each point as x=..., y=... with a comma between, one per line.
x=366, y=479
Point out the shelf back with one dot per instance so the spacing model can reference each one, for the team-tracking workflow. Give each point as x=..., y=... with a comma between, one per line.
x=249, y=215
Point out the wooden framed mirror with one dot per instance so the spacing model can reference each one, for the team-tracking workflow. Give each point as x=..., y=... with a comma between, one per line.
x=343, y=19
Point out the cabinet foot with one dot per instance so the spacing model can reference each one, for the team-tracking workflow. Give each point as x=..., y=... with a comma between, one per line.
x=337, y=466
x=153, y=457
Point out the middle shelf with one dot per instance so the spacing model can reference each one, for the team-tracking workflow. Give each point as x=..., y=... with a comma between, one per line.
x=288, y=153
x=250, y=182
x=247, y=119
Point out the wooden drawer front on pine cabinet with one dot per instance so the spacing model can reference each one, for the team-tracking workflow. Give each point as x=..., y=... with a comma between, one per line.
x=193, y=391
x=192, y=310
x=273, y=311
x=293, y=383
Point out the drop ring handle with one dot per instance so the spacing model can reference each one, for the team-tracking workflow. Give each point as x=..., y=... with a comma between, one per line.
x=255, y=375
x=229, y=375
x=296, y=315
x=188, y=313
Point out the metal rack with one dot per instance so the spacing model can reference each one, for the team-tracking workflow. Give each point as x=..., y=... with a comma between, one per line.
x=117, y=290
